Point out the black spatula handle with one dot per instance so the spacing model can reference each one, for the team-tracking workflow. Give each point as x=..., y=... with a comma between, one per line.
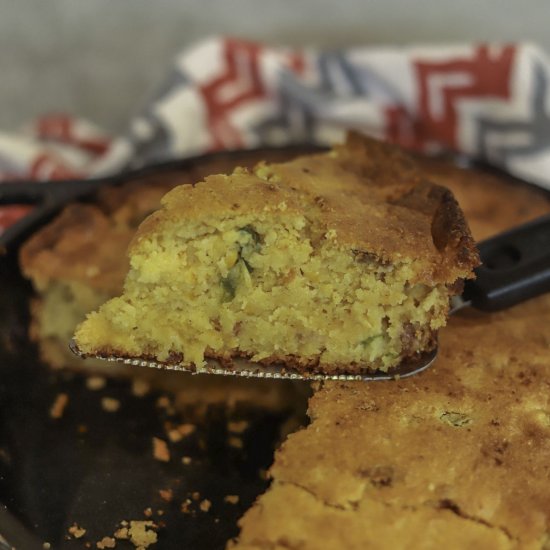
x=515, y=267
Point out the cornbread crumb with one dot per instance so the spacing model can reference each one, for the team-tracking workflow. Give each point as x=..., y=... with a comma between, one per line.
x=110, y=404
x=235, y=442
x=58, y=407
x=163, y=402
x=95, y=383
x=140, y=387
x=46, y=546
x=121, y=533
x=205, y=505
x=160, y=450
x=263, y=474
x=106, y=542
x=231, y=499
x=76, y=531
x=179, y=432
x=142, y=534
x=166, y=494
x=174, y=435
x=148, y=512
x=186, y=506
x=5, y=456
x=186, y=429
x=237, y=427
x=186, y=460
x=195, y=495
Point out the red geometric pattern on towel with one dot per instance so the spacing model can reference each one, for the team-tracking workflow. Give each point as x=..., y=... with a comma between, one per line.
x=443, y=85
x=62, y=128
x=238, y=83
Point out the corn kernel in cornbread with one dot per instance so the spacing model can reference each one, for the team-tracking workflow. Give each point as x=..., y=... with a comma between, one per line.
x=336, y=262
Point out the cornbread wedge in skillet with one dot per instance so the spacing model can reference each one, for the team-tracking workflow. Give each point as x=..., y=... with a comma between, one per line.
x=78, y=261
x=454, y=458
x=337, y=262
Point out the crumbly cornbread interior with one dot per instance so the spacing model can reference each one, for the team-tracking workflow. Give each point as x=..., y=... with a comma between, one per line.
x=266, y=285
x=325, y=263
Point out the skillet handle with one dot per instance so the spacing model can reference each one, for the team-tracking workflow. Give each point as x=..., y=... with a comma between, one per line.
x=515, y=267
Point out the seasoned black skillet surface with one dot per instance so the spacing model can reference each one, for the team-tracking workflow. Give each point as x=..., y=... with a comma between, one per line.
x=96, y=468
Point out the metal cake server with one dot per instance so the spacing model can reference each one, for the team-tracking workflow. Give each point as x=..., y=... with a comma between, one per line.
x=515, y=267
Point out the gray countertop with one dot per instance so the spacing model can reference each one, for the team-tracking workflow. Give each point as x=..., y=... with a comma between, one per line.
x=101, y=58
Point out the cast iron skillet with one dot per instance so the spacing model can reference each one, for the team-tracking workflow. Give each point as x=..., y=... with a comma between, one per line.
x=95, y=468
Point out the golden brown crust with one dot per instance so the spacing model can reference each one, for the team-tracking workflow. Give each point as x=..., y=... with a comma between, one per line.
x=449, y=229
x=491, y=201
x=380, y=163
x=64, y=248
x=215, y=197
x=86, y=245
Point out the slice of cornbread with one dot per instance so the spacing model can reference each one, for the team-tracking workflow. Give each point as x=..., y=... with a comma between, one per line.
x=78, y=261
x=336, y=262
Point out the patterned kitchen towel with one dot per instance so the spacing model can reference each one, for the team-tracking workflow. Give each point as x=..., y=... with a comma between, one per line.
x=489, y=102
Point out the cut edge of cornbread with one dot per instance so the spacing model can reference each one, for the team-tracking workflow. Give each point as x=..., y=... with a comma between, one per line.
x=328, y=263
